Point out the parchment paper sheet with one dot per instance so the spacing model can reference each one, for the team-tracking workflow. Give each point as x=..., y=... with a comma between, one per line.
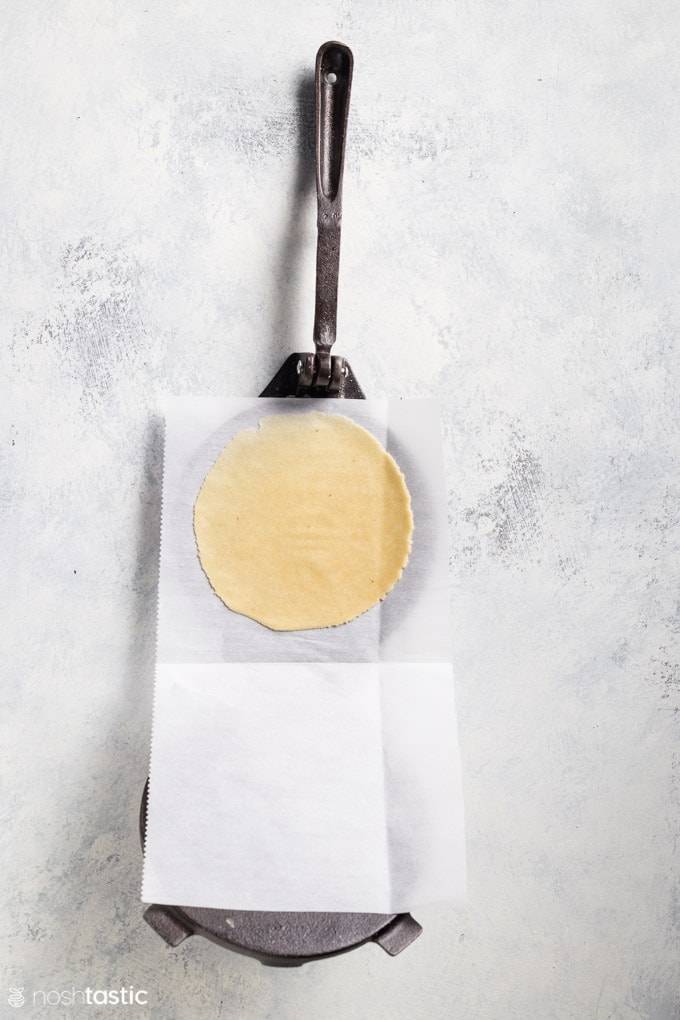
x=315, y=770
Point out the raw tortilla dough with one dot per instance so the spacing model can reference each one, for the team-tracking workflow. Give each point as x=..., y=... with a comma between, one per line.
x=303, y=522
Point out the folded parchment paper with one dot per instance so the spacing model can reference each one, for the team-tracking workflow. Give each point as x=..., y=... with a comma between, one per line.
x=311, y=770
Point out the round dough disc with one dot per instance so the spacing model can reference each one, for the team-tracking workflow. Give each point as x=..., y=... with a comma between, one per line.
x=303, y=522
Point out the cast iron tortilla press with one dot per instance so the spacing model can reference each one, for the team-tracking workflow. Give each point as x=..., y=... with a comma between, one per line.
x=281, y=938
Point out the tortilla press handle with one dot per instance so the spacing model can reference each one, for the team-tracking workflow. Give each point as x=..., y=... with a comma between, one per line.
x=320, y=375
x=333, y=83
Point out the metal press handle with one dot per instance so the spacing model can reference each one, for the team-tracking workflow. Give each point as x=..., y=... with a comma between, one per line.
x=334, y=63
x=319, y=374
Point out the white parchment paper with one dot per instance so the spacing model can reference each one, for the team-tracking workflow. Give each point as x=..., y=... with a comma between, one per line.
x=314, y=770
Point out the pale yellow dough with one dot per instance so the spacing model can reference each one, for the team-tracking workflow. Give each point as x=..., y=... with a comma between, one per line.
x=303, y=522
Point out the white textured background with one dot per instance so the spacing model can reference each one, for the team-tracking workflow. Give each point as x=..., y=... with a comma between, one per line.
x=511, y=245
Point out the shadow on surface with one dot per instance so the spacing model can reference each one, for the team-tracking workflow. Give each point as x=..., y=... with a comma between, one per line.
x=295, y=243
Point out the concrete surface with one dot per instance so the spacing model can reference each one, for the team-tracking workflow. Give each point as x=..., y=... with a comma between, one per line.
x=511, y=245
